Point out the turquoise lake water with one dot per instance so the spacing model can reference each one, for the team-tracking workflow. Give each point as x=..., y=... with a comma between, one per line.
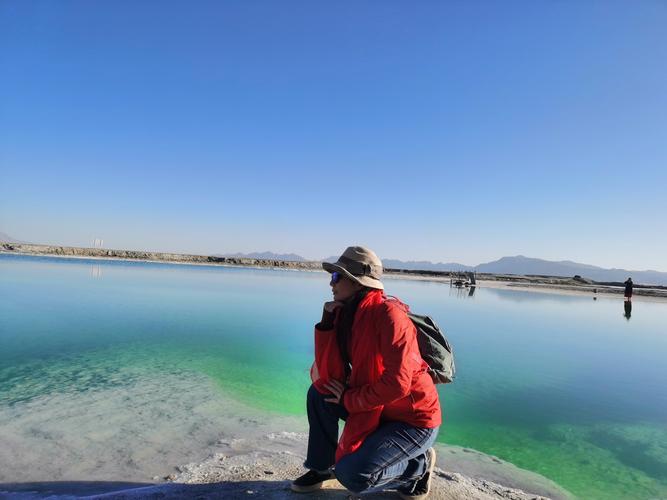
x=561, y=385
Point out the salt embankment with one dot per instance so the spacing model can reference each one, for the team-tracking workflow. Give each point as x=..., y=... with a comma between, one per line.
x=558, y=284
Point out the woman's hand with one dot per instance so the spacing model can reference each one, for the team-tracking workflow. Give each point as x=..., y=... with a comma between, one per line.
x=329, y=313
x=332, y=305
x=337, y=389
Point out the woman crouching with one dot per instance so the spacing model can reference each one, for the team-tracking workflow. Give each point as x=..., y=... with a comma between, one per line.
x=369, y=373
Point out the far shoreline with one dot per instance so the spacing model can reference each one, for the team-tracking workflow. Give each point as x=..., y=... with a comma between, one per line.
x=540, y=284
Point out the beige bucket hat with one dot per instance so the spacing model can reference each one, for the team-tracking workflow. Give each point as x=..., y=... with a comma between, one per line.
x=359, y=264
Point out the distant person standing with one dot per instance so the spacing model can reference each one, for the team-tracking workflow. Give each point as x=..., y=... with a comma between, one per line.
x=628, y=289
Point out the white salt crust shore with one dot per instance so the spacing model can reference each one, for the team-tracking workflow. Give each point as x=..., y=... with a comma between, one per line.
x=263, y=468
x=182, y=417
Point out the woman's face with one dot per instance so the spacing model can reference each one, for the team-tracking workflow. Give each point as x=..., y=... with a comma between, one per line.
x=343, y=288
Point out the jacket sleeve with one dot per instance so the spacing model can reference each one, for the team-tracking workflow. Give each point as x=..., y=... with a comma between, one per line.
x=400, y=357
x=328, y=364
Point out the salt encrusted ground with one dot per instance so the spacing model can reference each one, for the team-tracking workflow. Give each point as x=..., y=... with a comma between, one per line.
x=263, y=468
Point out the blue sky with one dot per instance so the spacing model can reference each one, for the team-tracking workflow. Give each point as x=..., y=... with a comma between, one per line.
x=445, y=131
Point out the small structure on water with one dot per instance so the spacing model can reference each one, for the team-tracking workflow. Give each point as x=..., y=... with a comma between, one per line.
x=461, y=280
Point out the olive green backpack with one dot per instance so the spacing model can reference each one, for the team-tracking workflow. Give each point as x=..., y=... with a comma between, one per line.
x=434, y=349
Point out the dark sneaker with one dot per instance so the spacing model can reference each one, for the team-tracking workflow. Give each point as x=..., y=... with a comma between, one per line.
x=311, y=481
x=423, y=486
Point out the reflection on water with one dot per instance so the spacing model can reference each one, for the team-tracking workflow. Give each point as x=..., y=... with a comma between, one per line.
x=462, y=292
x=96, y=271
x=627, y=309
x=462, y=287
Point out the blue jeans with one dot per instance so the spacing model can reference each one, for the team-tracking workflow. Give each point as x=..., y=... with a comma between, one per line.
x=394, y=456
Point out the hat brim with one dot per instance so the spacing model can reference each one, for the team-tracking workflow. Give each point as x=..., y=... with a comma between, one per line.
x=362, y=280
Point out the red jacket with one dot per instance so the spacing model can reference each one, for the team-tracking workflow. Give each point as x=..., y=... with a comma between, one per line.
x=389, y=379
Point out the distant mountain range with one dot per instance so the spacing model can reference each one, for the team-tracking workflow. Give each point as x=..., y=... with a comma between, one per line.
x=425, y=265
x=417, y=265
x=527, y=265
